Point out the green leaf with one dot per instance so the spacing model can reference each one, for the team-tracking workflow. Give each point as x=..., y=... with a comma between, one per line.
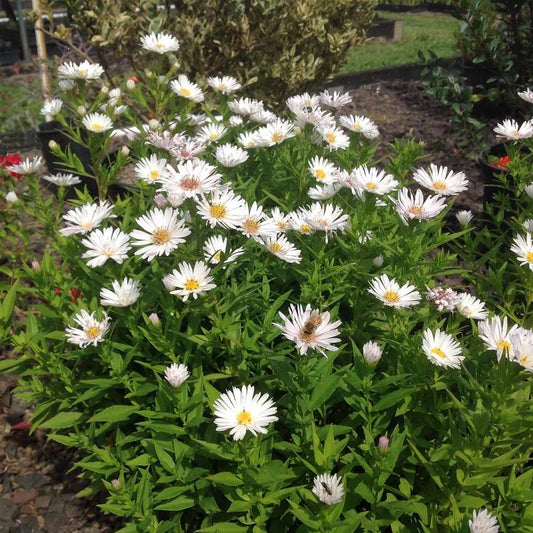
x=62, y=420
x=324, y=390
x=223, y=527
x=392, y=398
x=114, y=413
x=183, y=502
x=225, y=478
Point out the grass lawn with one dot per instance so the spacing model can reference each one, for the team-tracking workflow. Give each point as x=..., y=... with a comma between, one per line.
x=421, y=31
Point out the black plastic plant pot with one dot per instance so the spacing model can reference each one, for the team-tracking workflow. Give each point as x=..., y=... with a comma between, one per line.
x=54, y=131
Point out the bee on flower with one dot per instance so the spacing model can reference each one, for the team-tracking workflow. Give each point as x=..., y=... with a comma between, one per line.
x=310, y=329
x=328, y=488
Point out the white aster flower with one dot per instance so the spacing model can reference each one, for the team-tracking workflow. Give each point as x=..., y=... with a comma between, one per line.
x=372, y=352
x=323, y=171
x=309, y=328
x=528, y=225
x=282, y=220
x=28, y=166
x=177, y=374
x=109, y=243
x=160, y=43
x=372, y=180
x=441, y=181
x=483, y=522
x=211, y=132
x=241, y=410
x=275, y=133
x=317, y=117
x=52, y=107
x=496, y=335
x=11, y=197
x=282, y=248
x=255, y=224
x=333, y=136
x=62, y=180
x=302, y=102
x=81, y=71
x=216, y=250
x=190, y=280
x=186, y=88
x=223, y=208
x=324, y=192
x=196, y=119
x=245, y=106
x=162, y=232
x=85, y=218
x=326, y=217
x=471, y=307
x=190, y=178
x=230, y=155
x=264, y=116
x=122, y=295
x=97, y=122
x=224, y=84
x=299, y=223
x=150, y=169
x=526, y=95
x=521, y=350
x=523, y=248
x=528, y=189
x=360, y=124
x=417, y=207
x=328, y=488
x=91, y=330
x=391, y=294
x=378, y=261
x=464, y=217
x=235, y=120
x=336, y=99
x=509, y=129
x=249, y=139
x=441, y=349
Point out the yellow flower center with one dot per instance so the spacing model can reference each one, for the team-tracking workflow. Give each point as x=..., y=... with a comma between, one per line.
x=416, y=210
x=222, y=87
x=357, y=126
x=192, y=284
x=524, y=360
x=161, y=236
x=275, y=247
x=251, y=225
x=96, y=126
x=244, y=418
x=305, y=228
x=330, y=137
x=87, y=225
x=371, y=185
x=277, y=137
x=213, y=136
x=503, y=345
x=189, y=183
x=93, y=332
x=322, y=222
x=216, y=257
x=320, y=174
x=218, y=211
x=82, y=71
x=529, y=257
x=391, y=297
x=154, y=174
x=440, y=185
x=159, y=45
x=516, y=134
x=281, y=225
x=185, y=92
x=439, y=352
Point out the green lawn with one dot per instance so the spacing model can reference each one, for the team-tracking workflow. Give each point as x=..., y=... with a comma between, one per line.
x=20, y=102
x=421, y=31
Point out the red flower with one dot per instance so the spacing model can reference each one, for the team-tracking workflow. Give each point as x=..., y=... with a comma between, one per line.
x=57, y=290
x=502, y=162
x=75, y=295
x=133, y=78
x=21, y=425
x=10, y=159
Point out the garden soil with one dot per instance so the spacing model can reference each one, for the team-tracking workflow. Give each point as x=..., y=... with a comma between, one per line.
x=38, y=484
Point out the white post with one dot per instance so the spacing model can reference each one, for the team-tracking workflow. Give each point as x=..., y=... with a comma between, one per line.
x=41, y=52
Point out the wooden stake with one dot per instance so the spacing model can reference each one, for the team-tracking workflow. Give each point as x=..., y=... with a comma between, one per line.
x=41, y=52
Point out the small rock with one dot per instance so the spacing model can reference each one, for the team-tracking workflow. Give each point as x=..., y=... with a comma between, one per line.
x=54, y=520
x=27, y=524
x=90, y=530
x=31, y=480
x=7, y=510
x=17, y=409
x=23, y=496
x=42, y=502
x=11, y=450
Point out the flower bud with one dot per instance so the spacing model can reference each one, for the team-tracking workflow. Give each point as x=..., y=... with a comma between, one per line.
x=297, y=130
x=125, y=151
x=372, y=352
x=104, y=89
x=464, y=217
x=115, y=483
x=149, y=74
x=36, y=267
x=153, y=124
x=154, y=319
x=53, y=145
x=529, y=190
x=378, y=261
x=11, y=197
x=161, y=79
x=160, y=200
x=383, y=443
x=81, y=110
x=130, y=84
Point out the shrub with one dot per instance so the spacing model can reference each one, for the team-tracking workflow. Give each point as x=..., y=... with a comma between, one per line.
x=418, y=415
x=284, y=46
